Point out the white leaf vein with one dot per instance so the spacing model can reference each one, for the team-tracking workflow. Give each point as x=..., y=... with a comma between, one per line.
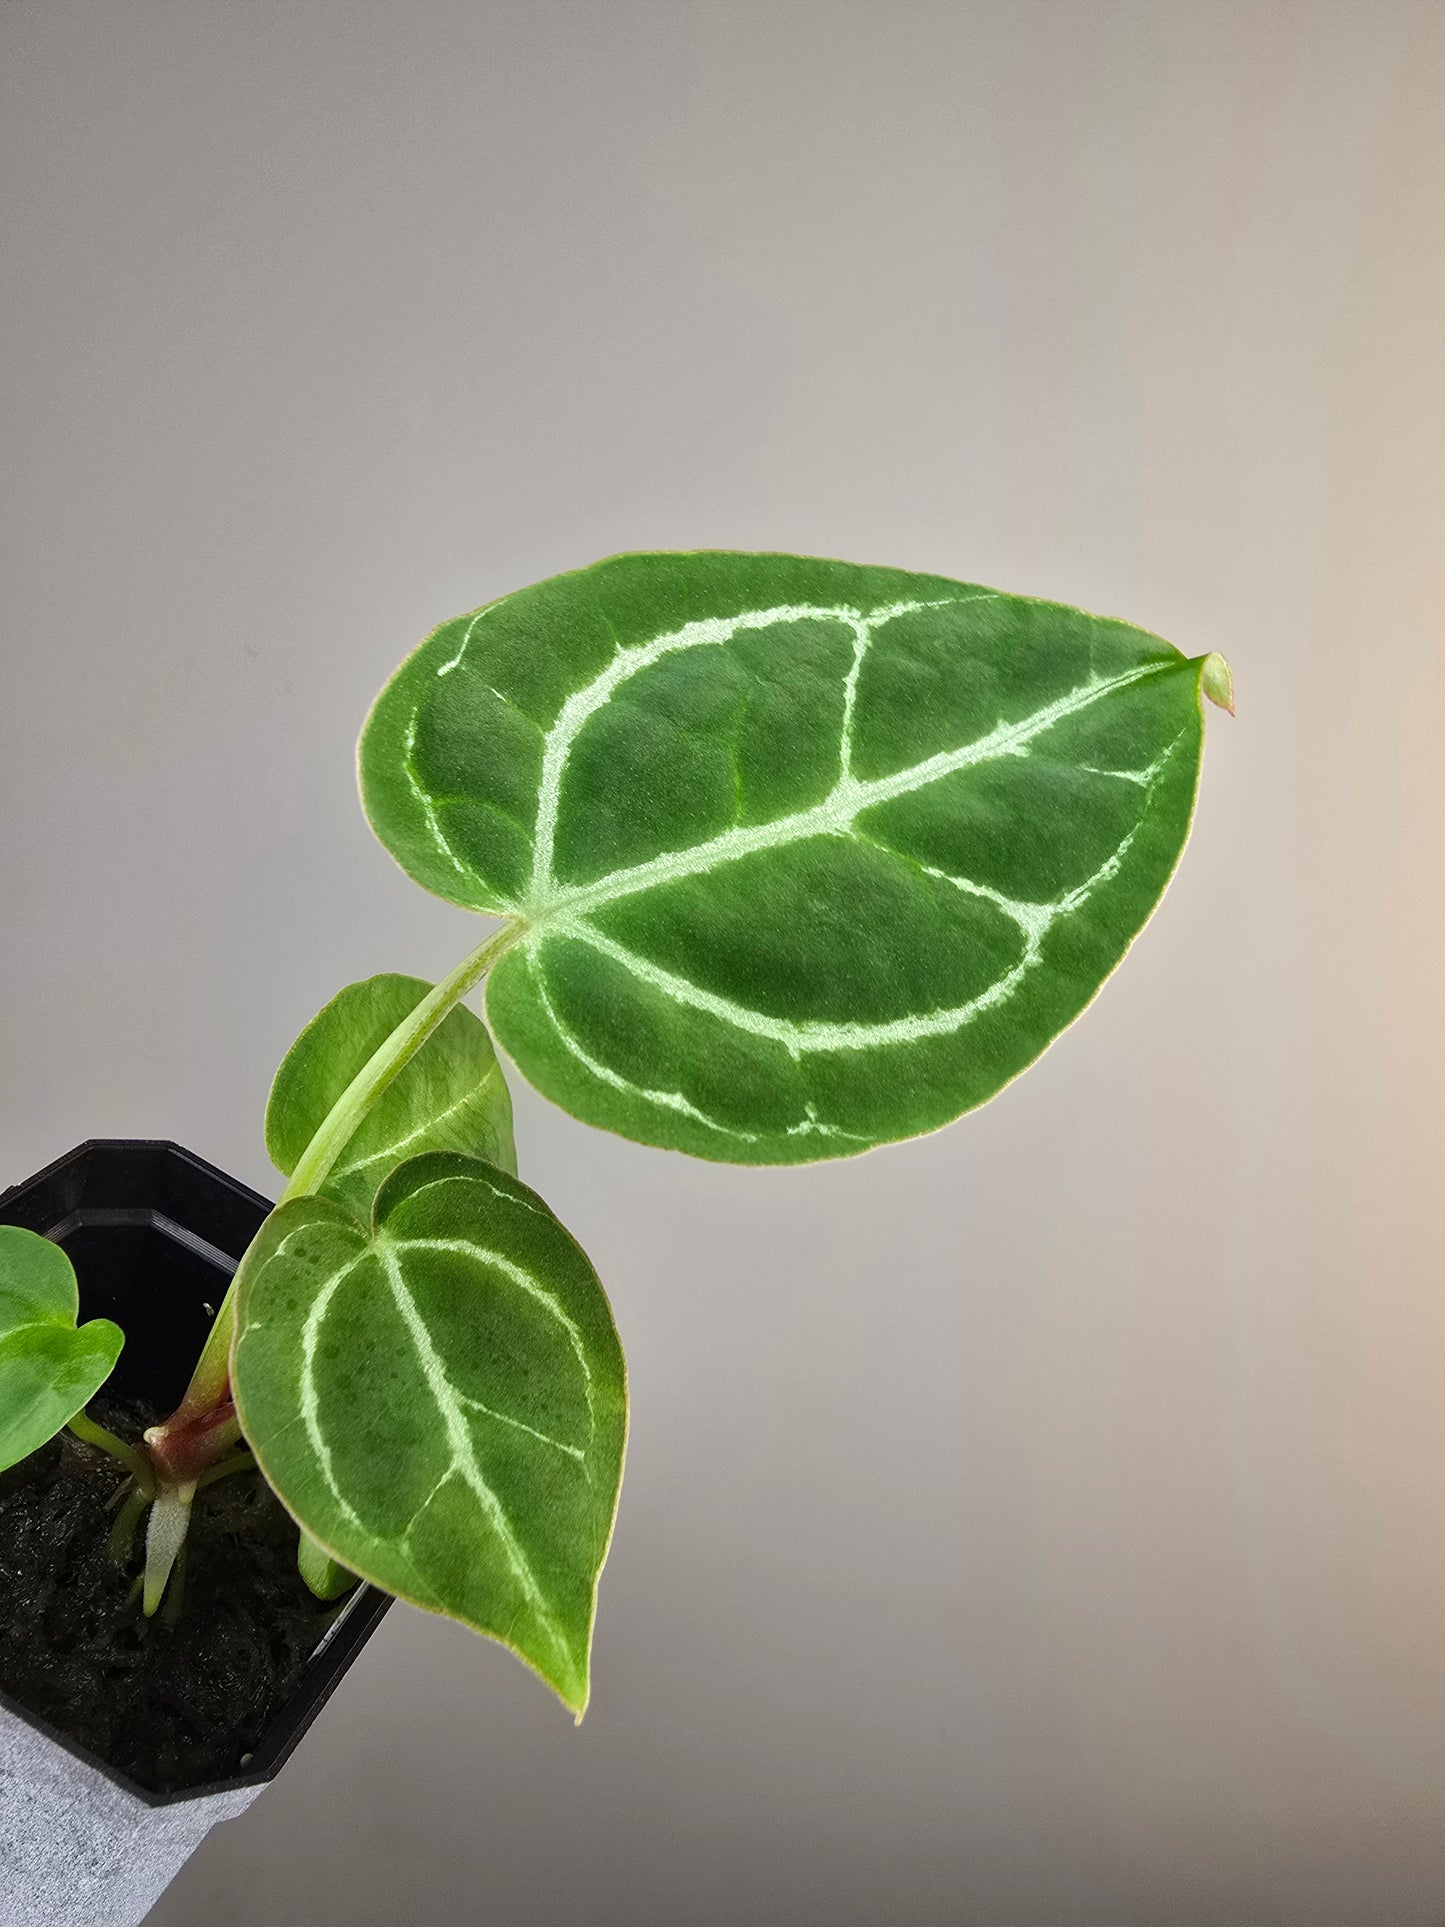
x=800, y=1036
x=427, y=805
x=455, y=660
x=450, y=1401
x=553, y=908
x=310, y=1416
x=666, y=1100
x=505, y=1418
x=459, y=1441
x=472, y=1095
x=549, y=902
x=514, y=1273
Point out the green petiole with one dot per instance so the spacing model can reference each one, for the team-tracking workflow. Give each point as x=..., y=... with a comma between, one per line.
x=242, y=1461
x=122, y=1533
x=84, y=1427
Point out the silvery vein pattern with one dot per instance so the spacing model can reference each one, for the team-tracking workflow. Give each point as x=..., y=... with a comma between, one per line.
x=803, y=856
x=440, y=1400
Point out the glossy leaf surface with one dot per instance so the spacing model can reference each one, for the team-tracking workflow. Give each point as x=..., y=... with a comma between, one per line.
x=440, y=1401
x=450, y=1097
x=49, y=1368
x=804, y=856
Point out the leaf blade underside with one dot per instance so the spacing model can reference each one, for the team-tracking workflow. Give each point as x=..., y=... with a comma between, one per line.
x=441, y=1401
x=805, y=856
x=450, y=1097
x=50, y=1368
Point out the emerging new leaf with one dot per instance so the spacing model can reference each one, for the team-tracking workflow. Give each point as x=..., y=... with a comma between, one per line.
x=804, y=856
x=441, y=1401
x=450, y=1097
x=49, y=1369
x=326, y=1577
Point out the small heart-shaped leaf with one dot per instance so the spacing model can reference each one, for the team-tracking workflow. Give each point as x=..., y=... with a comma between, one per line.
x=49, y=1369
x=450, y=1097
x=440, y=1401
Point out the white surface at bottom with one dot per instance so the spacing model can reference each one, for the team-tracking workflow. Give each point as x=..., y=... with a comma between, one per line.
x=76, y=1850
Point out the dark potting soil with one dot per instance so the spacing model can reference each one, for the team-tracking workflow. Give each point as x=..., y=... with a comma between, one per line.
x=172, y=1705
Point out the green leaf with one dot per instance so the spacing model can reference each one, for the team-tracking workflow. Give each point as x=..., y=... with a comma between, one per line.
x=48, y=1368
x=450, y=1097
x=441, y=1401
x=804, y=856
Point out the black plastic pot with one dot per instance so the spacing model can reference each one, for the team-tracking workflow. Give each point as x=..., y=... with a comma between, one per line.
x=154, y=1233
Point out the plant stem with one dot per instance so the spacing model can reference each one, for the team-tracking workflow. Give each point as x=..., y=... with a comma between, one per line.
x=210, y=1382
x=344, y=1119
x=183, y=1448
x=243, y=1461
x=136, y=1463
x=126, y=1520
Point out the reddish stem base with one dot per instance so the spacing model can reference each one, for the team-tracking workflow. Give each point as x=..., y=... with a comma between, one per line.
x=189, y=1444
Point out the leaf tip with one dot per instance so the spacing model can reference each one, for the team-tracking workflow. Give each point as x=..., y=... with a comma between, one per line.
x=1217, y=682
x=573, y=1686
x=574, y=1692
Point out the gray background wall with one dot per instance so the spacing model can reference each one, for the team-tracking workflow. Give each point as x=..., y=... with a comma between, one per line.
x=1040, y=1524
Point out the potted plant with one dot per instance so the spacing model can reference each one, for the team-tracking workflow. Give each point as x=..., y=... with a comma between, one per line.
x=787, y=858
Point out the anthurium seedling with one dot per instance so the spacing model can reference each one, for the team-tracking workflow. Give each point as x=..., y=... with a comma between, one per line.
x=784, y=859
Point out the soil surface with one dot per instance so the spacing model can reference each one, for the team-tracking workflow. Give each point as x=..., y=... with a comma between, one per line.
x=172, y=1705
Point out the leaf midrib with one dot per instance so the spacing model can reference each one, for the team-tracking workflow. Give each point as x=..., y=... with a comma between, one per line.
x=835, y=815
x=447, y=1397
x=459, y=1439
x=473, y=1094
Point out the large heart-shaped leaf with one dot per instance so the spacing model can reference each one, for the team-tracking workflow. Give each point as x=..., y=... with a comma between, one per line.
x=450, y=1097
x=49, y=1369
x=440, y=1401
x=804, y=856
